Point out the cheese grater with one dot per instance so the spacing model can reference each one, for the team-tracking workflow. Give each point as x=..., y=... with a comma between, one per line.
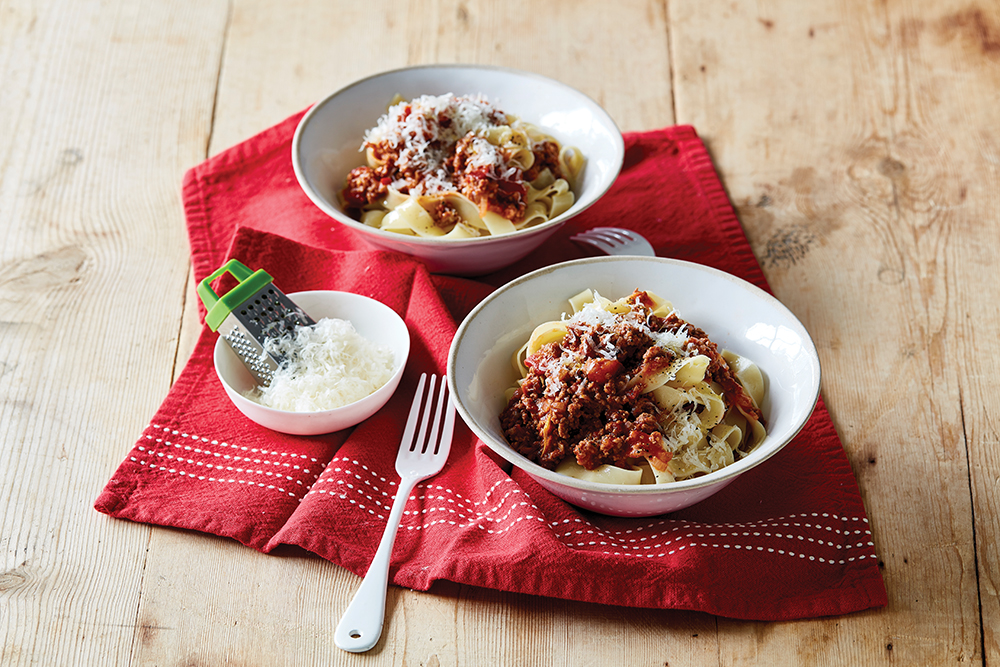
x=250, y=314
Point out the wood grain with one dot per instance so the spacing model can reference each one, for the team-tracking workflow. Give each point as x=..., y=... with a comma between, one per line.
x=103, y=105
x=858, y=142
x=852, y=174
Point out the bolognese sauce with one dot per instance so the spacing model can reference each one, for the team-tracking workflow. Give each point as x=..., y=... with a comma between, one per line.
x=432, y=147
x=584, y=395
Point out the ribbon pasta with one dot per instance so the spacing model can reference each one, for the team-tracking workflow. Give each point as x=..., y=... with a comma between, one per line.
x=453, y=167
x=627, y=392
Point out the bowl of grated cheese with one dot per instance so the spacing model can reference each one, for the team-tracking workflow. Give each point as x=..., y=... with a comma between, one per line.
x=485, y=131
x=338, y=372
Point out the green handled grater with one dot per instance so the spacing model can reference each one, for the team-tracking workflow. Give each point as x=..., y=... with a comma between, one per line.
x=250, y=314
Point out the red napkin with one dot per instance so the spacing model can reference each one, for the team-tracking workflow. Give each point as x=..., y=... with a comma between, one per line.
x=789, y=539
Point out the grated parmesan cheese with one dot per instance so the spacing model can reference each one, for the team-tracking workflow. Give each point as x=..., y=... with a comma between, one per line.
x=594, y=315
x=425, y=130
x=601, y=322
x=328, y=365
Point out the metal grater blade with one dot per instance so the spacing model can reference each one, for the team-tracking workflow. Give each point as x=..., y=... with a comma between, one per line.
x=266, y=314
x=250, y=314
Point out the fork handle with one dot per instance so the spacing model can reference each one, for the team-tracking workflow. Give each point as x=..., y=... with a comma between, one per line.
x=361, y=625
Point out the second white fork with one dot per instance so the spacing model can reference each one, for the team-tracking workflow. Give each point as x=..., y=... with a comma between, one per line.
x=616, y=241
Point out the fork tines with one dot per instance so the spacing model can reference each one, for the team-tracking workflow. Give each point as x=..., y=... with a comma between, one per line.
x=615, y=241
x=441, y=422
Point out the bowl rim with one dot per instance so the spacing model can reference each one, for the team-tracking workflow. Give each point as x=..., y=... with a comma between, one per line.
x=617, y=157
x=756, y=457
x=403, y=354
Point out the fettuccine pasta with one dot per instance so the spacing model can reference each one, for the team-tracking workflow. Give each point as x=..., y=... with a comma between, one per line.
x=455, y=167
x=627, y=392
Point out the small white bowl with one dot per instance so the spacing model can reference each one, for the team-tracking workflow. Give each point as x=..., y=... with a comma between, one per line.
x=735, y=314
x=371, y=319
x=327, y=143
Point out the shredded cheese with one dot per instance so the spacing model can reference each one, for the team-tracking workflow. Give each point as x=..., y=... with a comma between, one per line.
x=326, y=366
x=425, y=130
x=594, y=315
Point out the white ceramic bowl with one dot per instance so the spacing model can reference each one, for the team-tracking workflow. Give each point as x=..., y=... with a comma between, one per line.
x=327, y=142
x=734, y=314
x=371, y=319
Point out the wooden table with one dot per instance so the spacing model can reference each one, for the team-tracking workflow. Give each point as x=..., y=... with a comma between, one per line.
x=859, y=142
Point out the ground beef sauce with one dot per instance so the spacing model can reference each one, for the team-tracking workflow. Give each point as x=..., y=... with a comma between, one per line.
x=438, y=148
x=364, y=186
x=578, y=401
x=546, y=157
x=506, y=196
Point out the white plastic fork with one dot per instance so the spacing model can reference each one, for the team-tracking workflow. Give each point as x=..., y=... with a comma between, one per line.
x=616, y=241
x=420, y=456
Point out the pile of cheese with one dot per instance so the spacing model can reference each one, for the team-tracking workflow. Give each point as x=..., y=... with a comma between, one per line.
x=327, y=365
x=425, y=131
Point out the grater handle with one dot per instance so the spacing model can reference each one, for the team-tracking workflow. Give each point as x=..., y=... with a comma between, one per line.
x=219, y=307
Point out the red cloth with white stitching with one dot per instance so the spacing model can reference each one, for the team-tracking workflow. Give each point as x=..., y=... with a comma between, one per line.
x=789, y=539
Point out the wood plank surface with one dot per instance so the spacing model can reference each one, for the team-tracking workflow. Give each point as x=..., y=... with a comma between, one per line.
x=103, y=107
x=853, y=172
x=858, y=141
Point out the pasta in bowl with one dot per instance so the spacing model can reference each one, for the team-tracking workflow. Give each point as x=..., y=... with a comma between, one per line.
x=467, y=168
x=627, y=392
x=723, y=389
x=457, y=167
